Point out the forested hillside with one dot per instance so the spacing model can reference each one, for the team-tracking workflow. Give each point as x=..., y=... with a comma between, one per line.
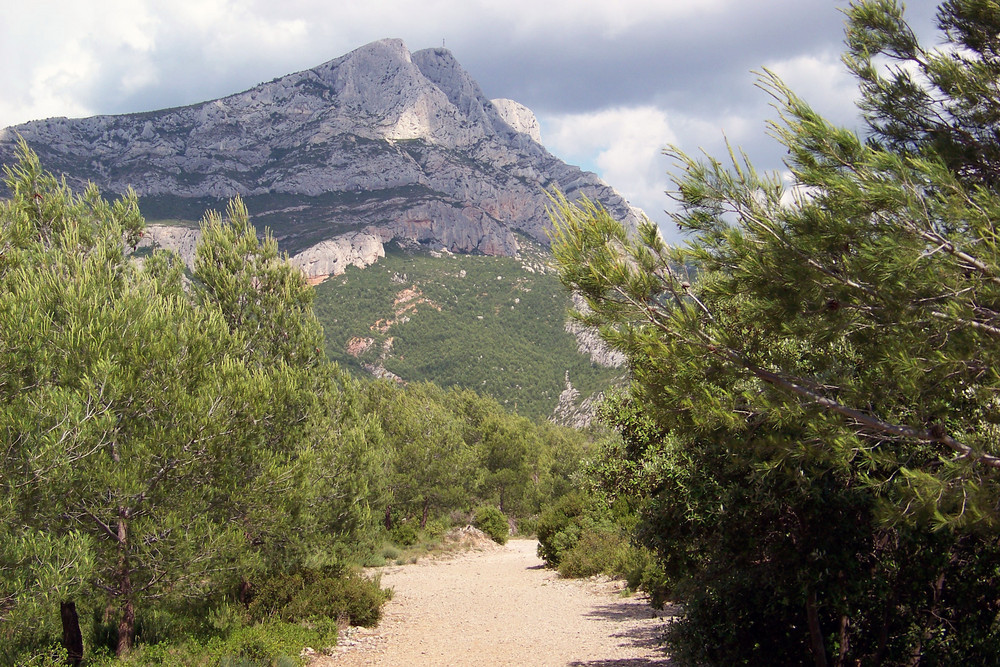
x=492, y=324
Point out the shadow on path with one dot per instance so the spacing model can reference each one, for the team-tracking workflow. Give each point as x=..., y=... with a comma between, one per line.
x=646, y=636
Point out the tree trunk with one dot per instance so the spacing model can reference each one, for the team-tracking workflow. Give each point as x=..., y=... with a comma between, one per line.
x=815, y=635
x=917, y=654
x=423, y=518
x=244, y=593
x=126, y=629
x=72, y=638
x=126, y=622
x=844, y=641
x=388, y=517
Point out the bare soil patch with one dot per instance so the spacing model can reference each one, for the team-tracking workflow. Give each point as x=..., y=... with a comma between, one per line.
x=499, y=606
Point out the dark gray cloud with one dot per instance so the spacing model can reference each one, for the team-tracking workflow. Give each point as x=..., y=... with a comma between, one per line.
x=699, y=62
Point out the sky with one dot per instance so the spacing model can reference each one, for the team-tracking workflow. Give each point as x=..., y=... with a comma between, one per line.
x=612, y=82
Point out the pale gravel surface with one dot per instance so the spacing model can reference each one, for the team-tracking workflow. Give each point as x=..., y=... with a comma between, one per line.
x=501, y=607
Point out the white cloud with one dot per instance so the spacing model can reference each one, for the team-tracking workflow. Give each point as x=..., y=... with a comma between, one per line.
x=73, y=59
x=823, y=82
x=607, y=19
x=622, y=145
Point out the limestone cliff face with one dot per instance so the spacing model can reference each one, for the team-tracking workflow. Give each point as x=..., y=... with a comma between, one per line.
x=589, y=343
x=405, y=146
x=327, y=258
x=331, y=258
x=519, y=117
x=182, y=240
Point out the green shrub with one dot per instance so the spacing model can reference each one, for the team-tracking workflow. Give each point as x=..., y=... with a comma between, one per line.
x=491, y=521
x=188, y=652
x=405, y=534
x=372, y=560
x=596, y=552
x=436, y=528
x=558, y=527
x=52, y=656
x=271, y=644
x=314, y=594
x=527, y=526
x=389, y=552
x=226, y=618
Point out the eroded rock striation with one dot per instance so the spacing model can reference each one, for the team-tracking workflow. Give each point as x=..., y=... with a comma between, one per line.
x=380, y=143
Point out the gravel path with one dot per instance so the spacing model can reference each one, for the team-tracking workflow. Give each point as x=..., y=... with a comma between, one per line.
x=501, y=607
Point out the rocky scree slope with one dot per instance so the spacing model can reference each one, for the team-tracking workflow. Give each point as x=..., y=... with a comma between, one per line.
x=338, y=160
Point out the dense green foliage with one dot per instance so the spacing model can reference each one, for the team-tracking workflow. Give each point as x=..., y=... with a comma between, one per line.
x=162, y=442
x=451, y=451
x=585, y=532
x=186, y=478
x=495, y=325
x=315, y=594
x=811, y=427
x=491, y=521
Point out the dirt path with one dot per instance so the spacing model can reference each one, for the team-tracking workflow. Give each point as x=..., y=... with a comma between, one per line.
x=501, y=607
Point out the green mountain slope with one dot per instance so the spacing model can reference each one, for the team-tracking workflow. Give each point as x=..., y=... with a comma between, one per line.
x=492, y=324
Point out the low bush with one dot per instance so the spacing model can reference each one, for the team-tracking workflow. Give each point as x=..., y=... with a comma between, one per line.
x=390, y=552
x=272, y=644
x=491, y=521
x=583, y=536
x=51, y=656
x=316, y=594
x=559, y=527
x=596, y=552
x=405, y=534
x=527, y=526
x=436, y=528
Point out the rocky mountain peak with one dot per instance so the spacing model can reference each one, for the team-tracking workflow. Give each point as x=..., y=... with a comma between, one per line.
x=379, y=144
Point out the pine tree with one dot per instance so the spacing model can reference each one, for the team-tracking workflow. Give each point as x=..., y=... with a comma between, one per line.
x=317, y=500
x=134, y=424
x=822, y=358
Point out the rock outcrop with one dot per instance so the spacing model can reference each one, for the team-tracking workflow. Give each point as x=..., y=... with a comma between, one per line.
x=325, y=259
x=519, y=117
x=575, y=411
x=381, y=142
x=589, y=343
x=181, y=240
x=332, y=257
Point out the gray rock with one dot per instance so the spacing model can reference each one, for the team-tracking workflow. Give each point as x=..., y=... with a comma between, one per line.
x=332, y=257
x=519, y=117
x=381, y=142
x=181, y=240
x=589, y=343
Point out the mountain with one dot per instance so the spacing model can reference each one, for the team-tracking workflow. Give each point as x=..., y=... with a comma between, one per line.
x=376, y=146
x=380, y=155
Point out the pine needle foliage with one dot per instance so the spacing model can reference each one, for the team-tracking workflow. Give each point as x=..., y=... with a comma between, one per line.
x=822, y=358
x=160, y=439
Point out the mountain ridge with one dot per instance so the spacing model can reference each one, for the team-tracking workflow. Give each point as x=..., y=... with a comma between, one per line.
x=377, y=145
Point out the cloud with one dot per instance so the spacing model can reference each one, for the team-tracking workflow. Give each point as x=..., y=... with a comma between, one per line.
x=823, y=81
x=612, y=83
x=624, y=145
